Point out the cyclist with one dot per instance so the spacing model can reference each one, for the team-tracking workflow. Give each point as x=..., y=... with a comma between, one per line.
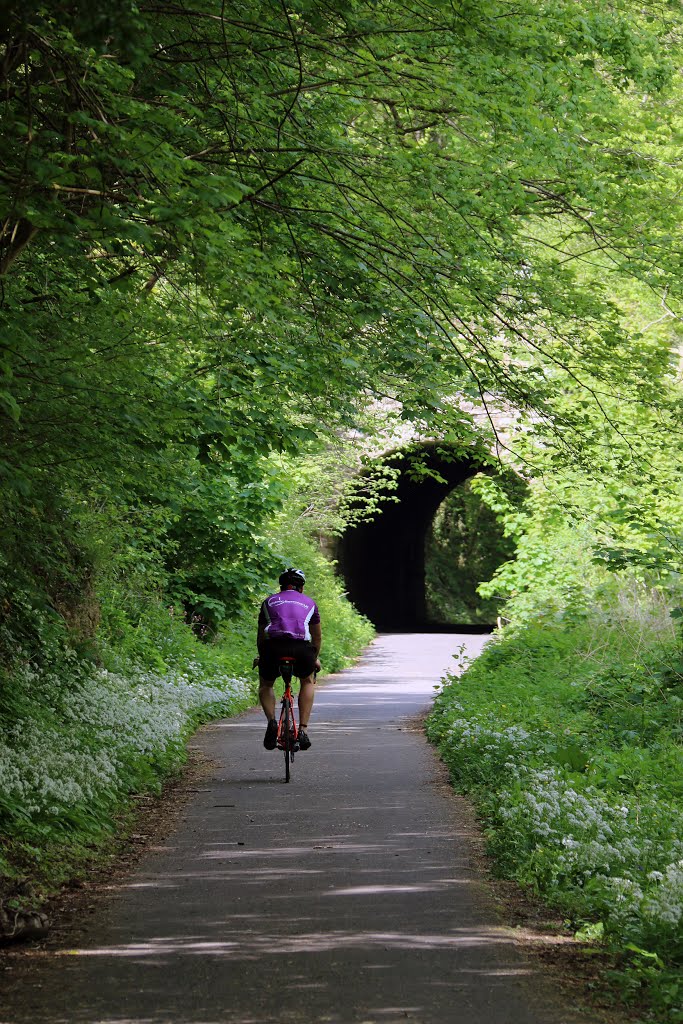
x=288, y=626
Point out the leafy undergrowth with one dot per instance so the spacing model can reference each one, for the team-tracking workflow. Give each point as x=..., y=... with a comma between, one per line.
x=82, y=739
x=569, y=741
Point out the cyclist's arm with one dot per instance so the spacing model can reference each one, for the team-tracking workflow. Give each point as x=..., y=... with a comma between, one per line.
x=316, y=636
x=261, y=630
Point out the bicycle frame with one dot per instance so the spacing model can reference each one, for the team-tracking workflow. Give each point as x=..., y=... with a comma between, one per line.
x=287, y=730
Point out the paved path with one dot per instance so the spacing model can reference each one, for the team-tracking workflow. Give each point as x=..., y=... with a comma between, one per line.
x=347, y=897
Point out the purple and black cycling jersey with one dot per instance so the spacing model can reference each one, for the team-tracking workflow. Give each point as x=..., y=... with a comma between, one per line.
x=288, y=614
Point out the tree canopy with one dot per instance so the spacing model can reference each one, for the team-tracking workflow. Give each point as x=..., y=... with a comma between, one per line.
x=223, y=230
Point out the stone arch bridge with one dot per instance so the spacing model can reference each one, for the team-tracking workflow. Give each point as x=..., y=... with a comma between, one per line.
x=383, y=561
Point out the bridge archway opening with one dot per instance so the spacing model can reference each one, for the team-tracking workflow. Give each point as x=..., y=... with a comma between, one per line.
x=396, y=566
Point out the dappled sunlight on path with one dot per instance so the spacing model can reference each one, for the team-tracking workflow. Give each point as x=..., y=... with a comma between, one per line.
x=347, y=897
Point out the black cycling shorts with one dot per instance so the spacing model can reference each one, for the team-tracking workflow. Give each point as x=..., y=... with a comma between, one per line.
x=278, y=647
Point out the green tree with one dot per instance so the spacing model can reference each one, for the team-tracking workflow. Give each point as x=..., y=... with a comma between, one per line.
x=218, y=228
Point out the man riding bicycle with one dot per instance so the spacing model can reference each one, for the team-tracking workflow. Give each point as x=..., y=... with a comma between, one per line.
x=288, y=627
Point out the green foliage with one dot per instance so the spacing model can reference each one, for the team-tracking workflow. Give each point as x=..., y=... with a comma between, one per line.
x=209, y=249
x=554, y=576
x=568, y=733
x=464, y=548
x=568, y=730
x=291, y=211
x=338, y=484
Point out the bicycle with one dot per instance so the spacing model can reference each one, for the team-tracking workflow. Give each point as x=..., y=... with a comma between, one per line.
x=287, y=729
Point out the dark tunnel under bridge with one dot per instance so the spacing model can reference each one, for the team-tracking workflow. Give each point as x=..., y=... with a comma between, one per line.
x=383, y=561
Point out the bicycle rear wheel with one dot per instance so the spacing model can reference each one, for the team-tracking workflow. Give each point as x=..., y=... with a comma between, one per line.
x=288, y=741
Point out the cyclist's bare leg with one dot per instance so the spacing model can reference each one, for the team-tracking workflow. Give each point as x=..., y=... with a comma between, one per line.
x=266, y=696
x=306, y=695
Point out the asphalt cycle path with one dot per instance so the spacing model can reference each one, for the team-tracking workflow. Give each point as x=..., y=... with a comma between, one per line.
x=349, y=896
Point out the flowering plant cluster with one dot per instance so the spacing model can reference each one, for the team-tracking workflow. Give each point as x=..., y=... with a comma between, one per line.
x=86, y=738
x=617, y=855
x=589, y=819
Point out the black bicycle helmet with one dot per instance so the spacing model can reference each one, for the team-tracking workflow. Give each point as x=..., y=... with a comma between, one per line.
x=292, y=578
